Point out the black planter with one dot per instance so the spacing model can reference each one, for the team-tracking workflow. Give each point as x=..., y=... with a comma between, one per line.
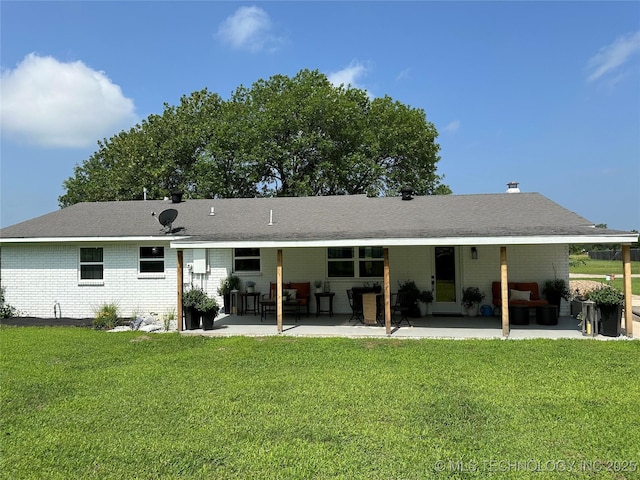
x=554, y=299
x=191, y=318
x=227, y=303
x=610, y=318
x=207, y=320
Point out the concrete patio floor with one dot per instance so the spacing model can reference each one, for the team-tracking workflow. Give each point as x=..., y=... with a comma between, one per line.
x=425, y=327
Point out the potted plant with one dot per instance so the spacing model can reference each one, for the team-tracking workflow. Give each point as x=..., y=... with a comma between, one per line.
x=209, y=309
x=471, y=299
x=424, y=301
x=227, y=285
x=318, y=286
x=555, y=290
x=609, y=300
x=410, y=287
x=191, y=299
x=250, y=285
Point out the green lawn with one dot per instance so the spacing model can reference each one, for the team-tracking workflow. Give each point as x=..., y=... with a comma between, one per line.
x=583, y=264
x=78, y=403
x=601, y=268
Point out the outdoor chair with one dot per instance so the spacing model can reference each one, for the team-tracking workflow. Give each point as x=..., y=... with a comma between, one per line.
x=403, y=306
x=355, y=302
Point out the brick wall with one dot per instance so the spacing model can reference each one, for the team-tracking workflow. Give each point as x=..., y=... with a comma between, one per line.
x=36, y=276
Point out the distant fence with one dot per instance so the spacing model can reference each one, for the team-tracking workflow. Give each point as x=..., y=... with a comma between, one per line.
x=614, y=255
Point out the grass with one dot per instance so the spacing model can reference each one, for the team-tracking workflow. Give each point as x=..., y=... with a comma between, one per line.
x=583, y=264
x=601, y=268
x=78, y=403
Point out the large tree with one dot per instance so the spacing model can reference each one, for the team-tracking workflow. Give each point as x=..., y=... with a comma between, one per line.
x=283, y=136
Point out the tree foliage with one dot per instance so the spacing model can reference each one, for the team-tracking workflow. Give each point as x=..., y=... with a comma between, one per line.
x=283, y=136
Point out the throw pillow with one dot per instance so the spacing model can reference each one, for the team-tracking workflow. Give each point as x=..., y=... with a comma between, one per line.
x=520, y=295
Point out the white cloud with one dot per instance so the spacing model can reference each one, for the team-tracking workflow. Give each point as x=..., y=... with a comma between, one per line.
x=612, y=56
x=403, y=74
x=57, y=104
x=249, y=28
x=452, y=127
x=348, y=75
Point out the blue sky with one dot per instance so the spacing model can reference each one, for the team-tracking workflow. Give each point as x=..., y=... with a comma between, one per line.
x=544, y=93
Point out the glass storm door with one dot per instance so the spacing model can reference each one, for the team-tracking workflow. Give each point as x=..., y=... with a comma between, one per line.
x=445, y=281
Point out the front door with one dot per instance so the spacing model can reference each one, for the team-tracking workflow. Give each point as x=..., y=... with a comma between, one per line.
x=445, y=281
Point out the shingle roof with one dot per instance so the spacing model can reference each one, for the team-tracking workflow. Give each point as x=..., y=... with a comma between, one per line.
x=315, y=218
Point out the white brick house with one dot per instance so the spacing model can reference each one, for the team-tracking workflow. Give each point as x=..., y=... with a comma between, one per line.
x=78, y=258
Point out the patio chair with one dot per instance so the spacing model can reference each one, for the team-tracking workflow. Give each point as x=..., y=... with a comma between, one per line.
x=403, y=306
x=355, y=302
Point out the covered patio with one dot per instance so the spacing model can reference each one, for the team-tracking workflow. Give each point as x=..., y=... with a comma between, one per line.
x=340, y=325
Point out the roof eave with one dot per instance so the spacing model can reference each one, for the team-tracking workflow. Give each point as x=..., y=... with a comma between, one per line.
x=391, y=242
x=139, y=238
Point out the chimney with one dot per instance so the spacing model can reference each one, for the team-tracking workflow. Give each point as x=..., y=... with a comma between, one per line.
x=512, y=187
x=407, y=193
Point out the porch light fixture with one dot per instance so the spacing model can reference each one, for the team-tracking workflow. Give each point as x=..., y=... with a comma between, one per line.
x=474, y=253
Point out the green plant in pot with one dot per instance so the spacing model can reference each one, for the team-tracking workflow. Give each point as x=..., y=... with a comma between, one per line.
x=609, y=301
x=209, y=309
x=471, y=299
x=425, y=298
x=227, y=285
x=250, y=285
x=191, y=301
x=555, y=290
x=409, y=287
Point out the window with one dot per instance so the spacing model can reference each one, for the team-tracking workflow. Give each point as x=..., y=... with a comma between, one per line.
x=371, y=262
x=91, y=264
x=342, y=261
x=151, y=259
x=246, y=259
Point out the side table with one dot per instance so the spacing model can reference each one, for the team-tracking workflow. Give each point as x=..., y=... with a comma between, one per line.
x=244, y=302
x=320, y=296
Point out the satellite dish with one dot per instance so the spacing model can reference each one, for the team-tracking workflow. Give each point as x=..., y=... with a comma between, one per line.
x=167, y=217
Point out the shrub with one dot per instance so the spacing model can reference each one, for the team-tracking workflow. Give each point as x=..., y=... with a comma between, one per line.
x=606, y=296
x=556, y=288
x=106, y=317
x=232, y=282
x=471, y=295
x=167, y=318
x=6, y=310
x=192, y=298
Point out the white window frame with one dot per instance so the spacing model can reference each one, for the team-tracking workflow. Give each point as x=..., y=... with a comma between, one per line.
x=247, y=257
x=355, y=259
x=142, y=260
x=90, y=281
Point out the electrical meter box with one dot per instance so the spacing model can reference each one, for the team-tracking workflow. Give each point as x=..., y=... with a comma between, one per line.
x=200, y=260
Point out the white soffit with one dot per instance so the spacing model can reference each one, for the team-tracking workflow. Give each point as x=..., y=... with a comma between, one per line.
x=387, y=242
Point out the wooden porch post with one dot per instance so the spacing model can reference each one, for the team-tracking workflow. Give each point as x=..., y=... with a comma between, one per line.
x=504, y=291
x=179, y=275
x=628, y=303
x=387, y=293
x=279, y=290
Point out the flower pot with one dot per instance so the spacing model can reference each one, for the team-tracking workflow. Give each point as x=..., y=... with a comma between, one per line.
x=191, y=318
x=207, y=320
x=610, y=319
x=227, y=303
x=472, y=311
x=251, y=289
